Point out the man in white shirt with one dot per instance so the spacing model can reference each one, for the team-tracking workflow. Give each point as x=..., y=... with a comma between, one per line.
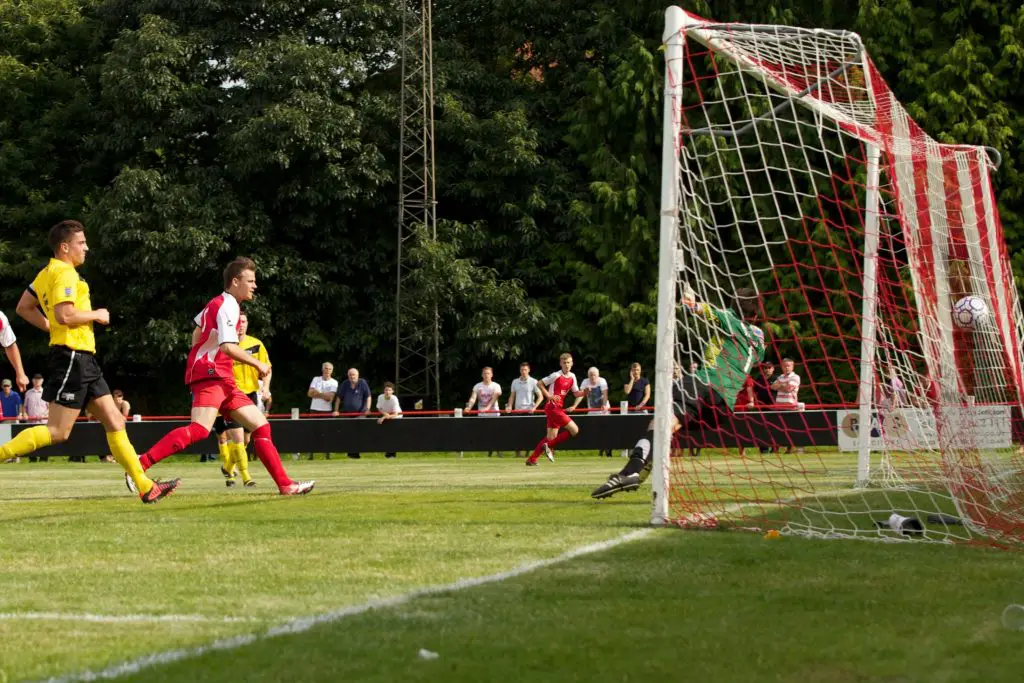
x=786, y=386
x=322, y=390
x=388, y=407
x=486, y=394
x=524, y=396
x=596, y=388
x=36, y=409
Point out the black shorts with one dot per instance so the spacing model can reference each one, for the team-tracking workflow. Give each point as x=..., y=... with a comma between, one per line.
x=220, y=425
x=695, y=401
x=74, y=378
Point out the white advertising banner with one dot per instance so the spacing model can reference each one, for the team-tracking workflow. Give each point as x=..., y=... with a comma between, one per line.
x=909, y=429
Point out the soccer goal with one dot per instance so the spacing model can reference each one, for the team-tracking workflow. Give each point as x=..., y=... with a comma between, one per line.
x=806, y=216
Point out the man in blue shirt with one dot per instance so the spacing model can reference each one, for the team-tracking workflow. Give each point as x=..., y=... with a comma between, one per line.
x=10, y=401
x=353, y=397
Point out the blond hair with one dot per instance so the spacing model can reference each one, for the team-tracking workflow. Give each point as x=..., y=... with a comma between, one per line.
x=565, y=356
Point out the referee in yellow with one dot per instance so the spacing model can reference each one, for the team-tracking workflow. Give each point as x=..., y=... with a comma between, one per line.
x=58, y=302
x=231, y=438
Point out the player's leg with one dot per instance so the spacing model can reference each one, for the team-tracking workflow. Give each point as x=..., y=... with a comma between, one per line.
x=249, y=416
x=181, y=438
x=571, y=430
x=224, y=451
x=103, y=408
x=239, y=458
x=542, y=445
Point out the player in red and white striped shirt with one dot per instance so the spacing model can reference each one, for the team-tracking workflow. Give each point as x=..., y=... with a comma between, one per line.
x=210, y=377
x=561, y=383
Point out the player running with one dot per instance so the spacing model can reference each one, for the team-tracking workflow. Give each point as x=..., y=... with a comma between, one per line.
x=562, y=383
x=232, y=437
x=734, y=348
x=210, y=378
x=58, y=302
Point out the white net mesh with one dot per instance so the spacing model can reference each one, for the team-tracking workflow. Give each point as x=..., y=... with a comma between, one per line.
x=888, y=293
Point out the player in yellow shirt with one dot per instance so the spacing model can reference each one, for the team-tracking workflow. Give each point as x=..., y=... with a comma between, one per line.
x=58, y=302
x=231, y=438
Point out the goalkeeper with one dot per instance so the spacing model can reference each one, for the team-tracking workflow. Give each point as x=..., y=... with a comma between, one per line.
x=734, y=347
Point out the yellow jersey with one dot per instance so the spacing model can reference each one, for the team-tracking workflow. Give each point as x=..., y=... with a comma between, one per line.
x=246, y=377
x=59, y=283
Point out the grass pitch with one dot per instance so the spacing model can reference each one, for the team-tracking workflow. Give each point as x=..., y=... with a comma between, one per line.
x=92, y=578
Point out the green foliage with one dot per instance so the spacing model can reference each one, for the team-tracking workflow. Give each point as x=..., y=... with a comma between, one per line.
x=184, y=133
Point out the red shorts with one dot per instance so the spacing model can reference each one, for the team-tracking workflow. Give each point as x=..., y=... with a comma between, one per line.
x=222, y=394
x=557, y=418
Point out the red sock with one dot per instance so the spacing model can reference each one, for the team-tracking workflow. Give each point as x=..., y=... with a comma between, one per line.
x=538, y=450
x=266, y=451
x=562, y=436
x=173, y=442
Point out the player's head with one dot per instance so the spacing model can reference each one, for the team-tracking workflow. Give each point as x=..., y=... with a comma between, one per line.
x=389, y=389
x=327, y=370
x=67, y=239
x=787, y=365
x=747, y=303
x=524, y=370
x=240, y=278
x=565, y=360
x=487, y=373
x=243, y=324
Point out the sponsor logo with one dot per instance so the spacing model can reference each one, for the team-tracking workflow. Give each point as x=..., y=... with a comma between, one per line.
x=67, y=291
x=67, y=396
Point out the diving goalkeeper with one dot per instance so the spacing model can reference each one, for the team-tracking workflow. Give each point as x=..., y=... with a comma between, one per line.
x=734, y=347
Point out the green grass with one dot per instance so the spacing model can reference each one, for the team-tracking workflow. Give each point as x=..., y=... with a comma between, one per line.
x=701, y=606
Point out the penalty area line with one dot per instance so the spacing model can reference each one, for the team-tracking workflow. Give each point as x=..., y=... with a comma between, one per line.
x=302, y=624
x=125, y=618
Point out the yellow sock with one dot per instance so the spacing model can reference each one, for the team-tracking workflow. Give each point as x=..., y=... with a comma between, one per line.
x=124, y=453
x=241, y=458
x=27, y=440
x=225, y=457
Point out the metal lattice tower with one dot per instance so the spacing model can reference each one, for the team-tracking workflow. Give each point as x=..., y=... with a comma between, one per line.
x=416, y=314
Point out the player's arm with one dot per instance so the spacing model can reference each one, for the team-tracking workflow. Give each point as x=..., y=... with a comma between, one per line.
x=28, y=309
x=750, y=395
x=67, y=315
x=196, y=332
x=233, y=351
x=10, y=344
x=265, y=357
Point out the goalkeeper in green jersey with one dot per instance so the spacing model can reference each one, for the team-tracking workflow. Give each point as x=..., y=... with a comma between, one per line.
x=734, y=347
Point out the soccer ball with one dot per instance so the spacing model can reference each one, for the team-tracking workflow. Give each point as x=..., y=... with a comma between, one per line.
x=970, y=312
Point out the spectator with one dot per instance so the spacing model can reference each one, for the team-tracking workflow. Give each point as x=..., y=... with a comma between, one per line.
x=10, y=401
x=787, y=386
x=124, y=406
x=353, y=397
x=485, y=394
x=524, y=395
x=763, y=389
x=596, y=390
x=36, y=409
x=638, y=388
x=388, y=407
x=323, y=389
x=13, y=410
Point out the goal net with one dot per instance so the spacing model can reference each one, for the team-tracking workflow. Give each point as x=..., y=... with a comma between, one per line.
x=807, y=217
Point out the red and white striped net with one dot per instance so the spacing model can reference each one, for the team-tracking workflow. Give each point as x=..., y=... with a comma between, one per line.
x=775, y=127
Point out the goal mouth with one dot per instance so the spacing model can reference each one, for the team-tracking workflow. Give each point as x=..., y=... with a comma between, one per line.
x=809, y=222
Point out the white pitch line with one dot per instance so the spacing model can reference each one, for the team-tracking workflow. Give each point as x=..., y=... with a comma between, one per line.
x=302, y=624
x=124, y=618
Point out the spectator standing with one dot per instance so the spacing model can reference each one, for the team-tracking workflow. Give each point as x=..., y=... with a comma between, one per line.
x=353, y=397
x=524, y=396
x=11, y=402
x=637, y=390
x=787, y=387
x=486, y=394
x=596, y=390
x=36, y=409
x=389, y=408
x=122, y=405
x=323, y=390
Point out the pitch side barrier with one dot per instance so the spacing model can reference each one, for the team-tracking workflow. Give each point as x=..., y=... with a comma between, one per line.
x=433, y=432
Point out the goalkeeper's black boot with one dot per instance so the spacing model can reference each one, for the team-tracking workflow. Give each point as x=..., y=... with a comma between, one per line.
x=616, y=483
